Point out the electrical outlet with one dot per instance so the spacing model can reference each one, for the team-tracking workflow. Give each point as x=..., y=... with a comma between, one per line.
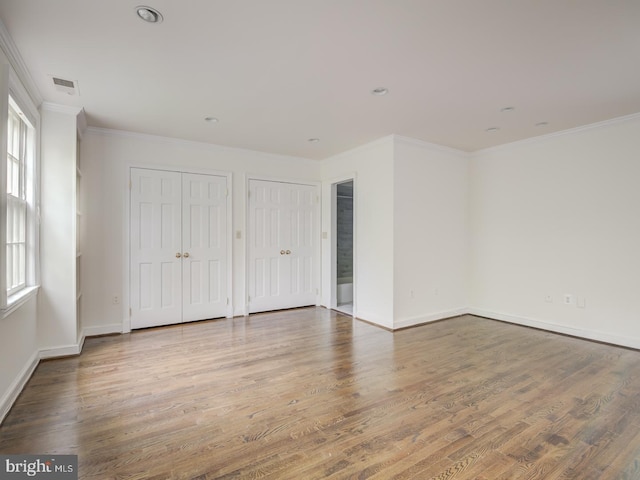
x=568, y=299
x=548, y=299
x=581, y=302
x=115, y=300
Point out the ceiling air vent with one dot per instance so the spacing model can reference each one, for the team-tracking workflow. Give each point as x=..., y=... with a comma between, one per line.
x=65, y=86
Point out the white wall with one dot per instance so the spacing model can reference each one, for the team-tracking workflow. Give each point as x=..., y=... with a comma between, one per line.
x=560, y=215
x=106, y=156
x=372, y=165
x=430, y=225
x=18, y=330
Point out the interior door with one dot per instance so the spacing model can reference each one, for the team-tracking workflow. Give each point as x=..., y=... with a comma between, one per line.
x=178, y=247
x=155, y=243
x=204, y=246
x=282, y=236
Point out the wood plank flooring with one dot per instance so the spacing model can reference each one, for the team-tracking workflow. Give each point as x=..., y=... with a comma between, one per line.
x=309, y=393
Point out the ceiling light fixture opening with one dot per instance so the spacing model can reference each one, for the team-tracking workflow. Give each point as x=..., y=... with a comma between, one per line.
x=380, y=91
x=313, y=140
x=492, y=129
x=148, y=14
x=211, y=119
x=542, y=124
x=507, y=109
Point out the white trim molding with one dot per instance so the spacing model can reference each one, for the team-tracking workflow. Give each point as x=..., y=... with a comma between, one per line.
x=15, y=60
x=11, y=395
x=597, y=336
x=570, y=131
x=63, y=350
x=428, y=318
x=97, y=330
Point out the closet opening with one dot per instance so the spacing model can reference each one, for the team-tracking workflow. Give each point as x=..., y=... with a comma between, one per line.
x=343, y=246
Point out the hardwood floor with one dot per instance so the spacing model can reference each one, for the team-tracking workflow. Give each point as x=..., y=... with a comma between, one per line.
x=309, y=393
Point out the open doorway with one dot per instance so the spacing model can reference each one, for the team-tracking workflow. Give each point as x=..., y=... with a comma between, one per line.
x=343, y=246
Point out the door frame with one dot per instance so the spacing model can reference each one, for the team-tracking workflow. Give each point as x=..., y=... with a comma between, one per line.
x=126, y=270
x=317, y=251
x=329, y=265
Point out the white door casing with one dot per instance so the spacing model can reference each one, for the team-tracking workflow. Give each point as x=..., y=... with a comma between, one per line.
x=282, y=245
x=178, y=247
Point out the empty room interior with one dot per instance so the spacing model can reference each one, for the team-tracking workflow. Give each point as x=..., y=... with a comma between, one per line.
x=321, y=239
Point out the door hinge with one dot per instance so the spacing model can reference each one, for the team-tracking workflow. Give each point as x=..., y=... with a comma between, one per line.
x=249, y=194
x=130, y=186
x=129, y=311
x=226, y=192
x=227, y=301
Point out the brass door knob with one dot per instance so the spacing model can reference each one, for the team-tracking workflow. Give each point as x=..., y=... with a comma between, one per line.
x=178, y=255
x=281, y=252
x=186, y=255
x=288, y=252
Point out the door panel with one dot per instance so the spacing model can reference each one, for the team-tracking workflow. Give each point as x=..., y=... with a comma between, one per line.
x=155, y=240
x=204, y=207
x=281, y=245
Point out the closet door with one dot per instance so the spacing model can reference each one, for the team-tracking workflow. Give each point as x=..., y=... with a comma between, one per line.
x=204, y=245
x=282, y=236
x=178, y=247
x=155, y=248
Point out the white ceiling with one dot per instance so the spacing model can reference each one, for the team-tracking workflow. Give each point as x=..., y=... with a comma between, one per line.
x=278, y=72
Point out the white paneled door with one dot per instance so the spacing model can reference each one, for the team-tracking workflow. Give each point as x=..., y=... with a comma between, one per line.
x=178, y=247
x=282, y=245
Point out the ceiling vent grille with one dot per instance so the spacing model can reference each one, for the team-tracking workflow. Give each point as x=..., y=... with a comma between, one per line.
x=65, y=86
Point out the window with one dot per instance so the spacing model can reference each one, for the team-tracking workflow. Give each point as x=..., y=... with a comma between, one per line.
x=18, y=219
x=18, y=149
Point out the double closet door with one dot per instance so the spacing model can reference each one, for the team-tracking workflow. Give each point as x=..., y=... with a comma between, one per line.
x=178, y=247
x=282, y=245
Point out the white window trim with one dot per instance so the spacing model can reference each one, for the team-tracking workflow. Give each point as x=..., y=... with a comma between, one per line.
x=18, y=299
x=15, y=89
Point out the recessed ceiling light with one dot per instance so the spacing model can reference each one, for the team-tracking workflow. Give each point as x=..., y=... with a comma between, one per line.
x=148, y=14
x=542, y=124
x=313, y=140
x=211, y=119
x=492, y=129
x=507, y=109
x=379, y=91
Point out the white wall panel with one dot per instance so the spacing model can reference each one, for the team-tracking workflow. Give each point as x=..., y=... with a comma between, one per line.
x=559, y=215
x=106, y=155
x=431, y=234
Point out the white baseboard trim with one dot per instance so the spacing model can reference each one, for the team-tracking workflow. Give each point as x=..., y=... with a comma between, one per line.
x=102, y=330
x=373, y=318
x=18, y=384
x=428, y=318
x=61, y=351
x=557, y=328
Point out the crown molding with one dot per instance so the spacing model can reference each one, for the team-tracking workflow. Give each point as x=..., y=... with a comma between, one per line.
x=432, y=146
x=55, y=107
x=361, y=148
x=17, y=63
x=571, y=131
x=109, y=132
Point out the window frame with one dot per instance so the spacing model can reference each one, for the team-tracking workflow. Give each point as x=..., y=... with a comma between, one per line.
x=15, y=93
